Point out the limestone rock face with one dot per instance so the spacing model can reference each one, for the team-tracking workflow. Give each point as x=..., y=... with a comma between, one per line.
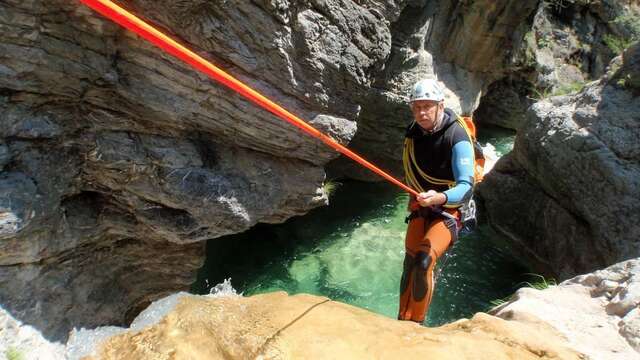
x=568, y=44
x=278, y=326
x=598, y=313
x=118, y=161
x=568, y=194
x=465, y=45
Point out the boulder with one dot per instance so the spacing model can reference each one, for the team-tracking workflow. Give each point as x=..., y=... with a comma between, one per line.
x=466, y=46
x=566, y=197
x=119, y=161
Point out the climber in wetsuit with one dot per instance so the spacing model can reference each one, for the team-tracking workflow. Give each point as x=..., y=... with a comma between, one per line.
x=439, y=163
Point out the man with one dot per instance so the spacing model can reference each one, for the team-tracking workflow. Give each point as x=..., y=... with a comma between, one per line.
x=439, y=164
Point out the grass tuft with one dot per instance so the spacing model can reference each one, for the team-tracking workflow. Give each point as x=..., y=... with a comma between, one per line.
x=540, y=283
x=330, y=186
x=564, y=89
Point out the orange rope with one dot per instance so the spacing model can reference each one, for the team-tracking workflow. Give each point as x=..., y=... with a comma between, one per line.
x=138, y=26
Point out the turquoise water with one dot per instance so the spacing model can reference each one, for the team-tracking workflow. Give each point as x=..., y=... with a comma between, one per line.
x=352, y=251
x=499, y=137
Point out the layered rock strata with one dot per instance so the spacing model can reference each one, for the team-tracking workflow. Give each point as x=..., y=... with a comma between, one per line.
x=118, y=161
x=465, y=45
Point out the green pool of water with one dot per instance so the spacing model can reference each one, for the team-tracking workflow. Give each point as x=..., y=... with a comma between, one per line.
x=500, y=138
x=352, y=251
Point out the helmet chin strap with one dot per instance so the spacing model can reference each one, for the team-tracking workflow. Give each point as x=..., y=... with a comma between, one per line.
x=437, y=122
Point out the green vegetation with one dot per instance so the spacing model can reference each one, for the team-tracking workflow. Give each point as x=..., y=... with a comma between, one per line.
x=622, y=82
x=631, y=22
x=571, y=88
x=330, y=186
x=564, y=89
x=540, y=283
x=530, y=49
x=617, y=44
x=13, y=354
x=541, y=94
x=543, y=41
x=498, y=302
x=615, y=66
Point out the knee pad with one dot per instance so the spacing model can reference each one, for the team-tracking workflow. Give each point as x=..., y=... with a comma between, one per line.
x=423, y=260
x=420, y=285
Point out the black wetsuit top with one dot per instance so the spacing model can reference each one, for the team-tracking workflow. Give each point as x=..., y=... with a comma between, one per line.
x=433, y=151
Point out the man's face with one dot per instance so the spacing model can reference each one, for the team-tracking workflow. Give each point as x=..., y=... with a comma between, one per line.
x=425, y=112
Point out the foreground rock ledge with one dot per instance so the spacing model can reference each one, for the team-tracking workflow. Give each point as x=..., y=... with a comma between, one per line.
x=598, y=313
x=278, y=326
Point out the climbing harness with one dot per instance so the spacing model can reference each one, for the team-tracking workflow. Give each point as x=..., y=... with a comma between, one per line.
x=126, y=19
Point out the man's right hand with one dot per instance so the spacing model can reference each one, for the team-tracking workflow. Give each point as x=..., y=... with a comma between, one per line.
x=431, y=198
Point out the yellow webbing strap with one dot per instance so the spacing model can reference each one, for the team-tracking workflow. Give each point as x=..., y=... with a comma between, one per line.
x=408, y=159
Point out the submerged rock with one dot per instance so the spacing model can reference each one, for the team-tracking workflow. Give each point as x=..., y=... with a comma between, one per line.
x=598, y=313
x=278, y=326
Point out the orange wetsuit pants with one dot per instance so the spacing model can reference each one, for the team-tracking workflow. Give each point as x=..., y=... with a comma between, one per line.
x=428, y=237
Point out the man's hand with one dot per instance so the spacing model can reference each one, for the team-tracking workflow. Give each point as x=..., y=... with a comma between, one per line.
x=431, y=198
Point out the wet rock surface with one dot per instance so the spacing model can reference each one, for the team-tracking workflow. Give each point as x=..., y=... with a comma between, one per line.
x=118, y=161
x=591, y=316
x=19, y=341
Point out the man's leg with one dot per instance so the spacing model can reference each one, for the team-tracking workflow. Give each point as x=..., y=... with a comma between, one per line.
x=439, y=238
x=422, y=251
x=415, y=234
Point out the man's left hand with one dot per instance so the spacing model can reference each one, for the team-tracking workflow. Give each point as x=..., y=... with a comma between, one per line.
x=431, y=198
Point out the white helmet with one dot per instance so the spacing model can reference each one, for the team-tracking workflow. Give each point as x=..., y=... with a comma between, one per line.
x=427, y=89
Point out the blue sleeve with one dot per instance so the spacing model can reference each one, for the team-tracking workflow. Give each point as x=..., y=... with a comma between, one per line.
x=462, y=159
